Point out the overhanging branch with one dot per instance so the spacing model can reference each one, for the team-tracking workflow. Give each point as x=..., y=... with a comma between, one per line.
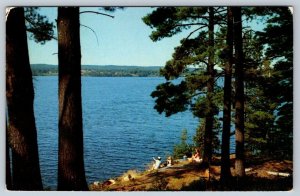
x=193, y=33
x=92, y=31
x=189, y=24
x=93, y=12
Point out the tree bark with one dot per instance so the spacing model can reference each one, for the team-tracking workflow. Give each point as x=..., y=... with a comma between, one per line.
x=8, y=168
x=209, y=120
x=22, y=136
x=239, y=92
x=71, y=173
x=225, y=156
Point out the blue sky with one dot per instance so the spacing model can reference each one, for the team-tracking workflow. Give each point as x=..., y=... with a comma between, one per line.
x=123, y=40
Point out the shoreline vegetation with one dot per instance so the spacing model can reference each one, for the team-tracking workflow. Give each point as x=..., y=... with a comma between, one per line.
x=261, y=175
x=100, y=70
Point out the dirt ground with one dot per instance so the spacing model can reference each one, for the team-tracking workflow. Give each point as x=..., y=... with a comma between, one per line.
x=265, y=176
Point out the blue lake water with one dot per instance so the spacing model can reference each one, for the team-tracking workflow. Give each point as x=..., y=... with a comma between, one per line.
x=122, y=131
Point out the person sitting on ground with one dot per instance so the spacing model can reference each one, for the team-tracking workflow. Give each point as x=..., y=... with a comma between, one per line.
x=196, y=157
x=169, y=161
x=157, y=163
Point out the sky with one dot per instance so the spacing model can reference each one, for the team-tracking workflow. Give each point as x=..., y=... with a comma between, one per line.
x=122, y=40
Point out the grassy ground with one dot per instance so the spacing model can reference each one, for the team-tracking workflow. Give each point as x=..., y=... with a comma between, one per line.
x=186, y=176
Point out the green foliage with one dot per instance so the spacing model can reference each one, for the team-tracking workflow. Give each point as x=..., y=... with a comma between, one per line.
x=269, y=112
x=204, y=106
x=277, y=85
x=199, y=136
x=189, y=60
x=169, y=21
x=183, y=148
x=41, y=30
x=190, y=56
x=171, y=98
x=268, y=69
x=193, y=61
x=111, y=9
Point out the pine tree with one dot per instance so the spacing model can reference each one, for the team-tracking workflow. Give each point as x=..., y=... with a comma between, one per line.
x=278, y=87
x=209, y=119
x=225, y=159
x=239, y=92
x=268, y=62
x=22, y=136
x=71, y=173
x=194, y=59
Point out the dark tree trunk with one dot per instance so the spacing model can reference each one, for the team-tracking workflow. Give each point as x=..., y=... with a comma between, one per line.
x=22, y=136
x=209, y=120
x=71, y=173
x=239, y=90
x=225, y=156
x=8, y=168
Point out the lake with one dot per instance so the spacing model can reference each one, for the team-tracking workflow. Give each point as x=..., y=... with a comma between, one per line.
x=122, y=131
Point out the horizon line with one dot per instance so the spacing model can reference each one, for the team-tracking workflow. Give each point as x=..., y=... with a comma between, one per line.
x=101, y=65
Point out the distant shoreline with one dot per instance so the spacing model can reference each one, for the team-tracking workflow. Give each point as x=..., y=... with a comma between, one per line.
x=100, y=70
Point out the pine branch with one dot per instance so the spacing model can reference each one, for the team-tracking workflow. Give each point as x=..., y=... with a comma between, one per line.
x=220, y=10
x=202, y=61
x=193, y=33
x=40, y=31
x=93, y=12
x=92, y=31
x=189, y=24
x=31, y=31
x=218, y=76
x=196, y=94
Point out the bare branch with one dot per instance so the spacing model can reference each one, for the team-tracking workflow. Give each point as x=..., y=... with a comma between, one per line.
x=218, y=76
x=92, y=31
x=220, y=10
x=93, y=12
x=203, y=61
x=193, y=33
x=189, y=24
x=196, y=94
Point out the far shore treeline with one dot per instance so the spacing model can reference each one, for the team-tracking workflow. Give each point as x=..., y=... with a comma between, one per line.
x=100, y=70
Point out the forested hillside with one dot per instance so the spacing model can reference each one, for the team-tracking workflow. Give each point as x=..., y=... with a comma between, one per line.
x=101, y=71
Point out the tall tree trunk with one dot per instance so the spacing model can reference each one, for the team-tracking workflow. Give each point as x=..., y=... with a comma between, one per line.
x=209, y=120
x=22, y=136
x=239, y=90
x=225, y=156
x=71, y=173
x=8, y=168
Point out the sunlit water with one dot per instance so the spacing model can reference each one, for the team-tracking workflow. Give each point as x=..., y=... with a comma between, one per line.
x=122, y=131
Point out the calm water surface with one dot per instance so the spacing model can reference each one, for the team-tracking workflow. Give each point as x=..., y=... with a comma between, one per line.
x=122, y=131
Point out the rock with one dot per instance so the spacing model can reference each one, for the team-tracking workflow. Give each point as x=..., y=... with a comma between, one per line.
x=109, y=182
x=248, y=169
x=278, y=173
x=127, y=178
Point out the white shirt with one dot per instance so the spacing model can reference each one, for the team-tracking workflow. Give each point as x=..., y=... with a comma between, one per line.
x=157, y=163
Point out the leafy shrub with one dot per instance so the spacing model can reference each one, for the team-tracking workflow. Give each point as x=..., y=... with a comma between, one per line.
x=183, y=148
